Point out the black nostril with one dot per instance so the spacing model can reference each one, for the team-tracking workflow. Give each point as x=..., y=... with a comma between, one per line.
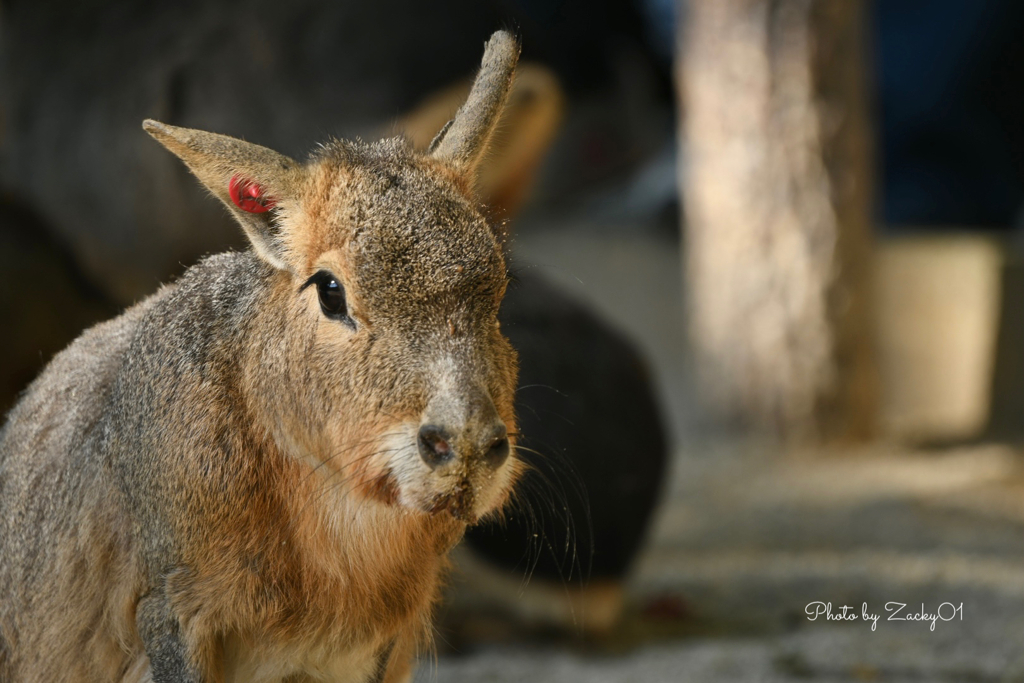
x=498, y=452
x=435, y=445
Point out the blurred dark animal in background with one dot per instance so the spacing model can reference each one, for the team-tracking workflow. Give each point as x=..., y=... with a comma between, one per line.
x=592, y=431
x=41, y=318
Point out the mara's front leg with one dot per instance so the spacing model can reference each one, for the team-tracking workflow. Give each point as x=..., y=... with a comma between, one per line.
x=171, y=660
x=397, y=665
x=391, y=663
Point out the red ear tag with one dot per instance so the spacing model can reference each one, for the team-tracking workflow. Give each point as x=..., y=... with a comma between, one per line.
x=248, y=196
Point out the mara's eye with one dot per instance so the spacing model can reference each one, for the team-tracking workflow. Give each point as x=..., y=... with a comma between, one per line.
x=332, y=296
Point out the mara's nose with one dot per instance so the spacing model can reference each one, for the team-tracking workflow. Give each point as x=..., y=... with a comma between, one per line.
x=438, y=445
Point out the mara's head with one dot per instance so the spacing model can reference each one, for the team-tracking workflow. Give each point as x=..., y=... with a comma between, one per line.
x=379, y=357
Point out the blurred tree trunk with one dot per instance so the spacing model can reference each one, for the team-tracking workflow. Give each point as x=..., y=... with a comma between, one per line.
x=776, y=189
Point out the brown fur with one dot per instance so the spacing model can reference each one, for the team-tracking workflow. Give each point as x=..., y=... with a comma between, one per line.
x=223, y=483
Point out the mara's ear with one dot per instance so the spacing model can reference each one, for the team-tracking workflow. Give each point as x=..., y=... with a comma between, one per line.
x=249, y=179
x=463, y=141
x=522, y=137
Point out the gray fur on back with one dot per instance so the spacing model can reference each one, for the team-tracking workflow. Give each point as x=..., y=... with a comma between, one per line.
x=64, y=446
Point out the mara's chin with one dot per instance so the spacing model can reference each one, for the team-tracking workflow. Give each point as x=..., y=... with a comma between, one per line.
x=464, y=503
